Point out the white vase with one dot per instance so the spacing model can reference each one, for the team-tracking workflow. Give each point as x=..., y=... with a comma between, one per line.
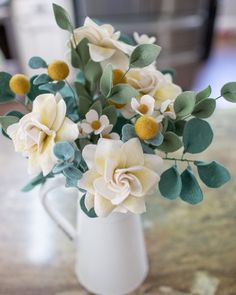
x=111, y=254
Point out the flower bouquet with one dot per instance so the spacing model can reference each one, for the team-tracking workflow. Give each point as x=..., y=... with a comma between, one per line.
x=109, y=130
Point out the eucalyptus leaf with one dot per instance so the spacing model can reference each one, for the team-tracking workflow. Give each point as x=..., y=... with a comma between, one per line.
x=191, y=191
x=77, y=157
x=122, y=93
x=73, y=173
x=128, y=132
x=170, y=184
x=82, y=142
x=6, y=94
x=204, y=108
x=42, y=79
x=64, y=151
x=83, y=50
x=15, y=114
x=228, y=91
x=6, y=121
x=34, y=90
x=83, y=105
x=157, y=140
x=36, y=62
x=81, y=90
x=143, y=55
x=92, y=71
x=204, y=94
x=184, y=104
x=197, y=136
x=71, y=182
x=213, y=174
x=52, y=87
x=169, y=71
x=39, y=179
x=97, y=106
x=147, y=149
x=58, y=168
x=171, y=143
x=106, y=80
x=76, y=61
x=111, y=113
x=90, y=213
x=62, y=18
x=179, y=127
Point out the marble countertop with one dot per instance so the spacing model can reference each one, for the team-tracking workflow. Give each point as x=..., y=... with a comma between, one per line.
x=186, y=245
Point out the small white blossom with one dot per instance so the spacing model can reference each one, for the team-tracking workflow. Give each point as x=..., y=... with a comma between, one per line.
x=144, y=38
x=145, y=106
x=94, y=123
x=167, y=109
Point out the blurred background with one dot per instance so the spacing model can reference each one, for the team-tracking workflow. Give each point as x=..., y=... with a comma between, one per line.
x=186, y=245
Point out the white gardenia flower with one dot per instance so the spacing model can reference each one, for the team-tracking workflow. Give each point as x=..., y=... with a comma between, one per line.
x=144, y=38
x=37, y=132
x=104, y=44
x=167, y=109
x=151, y=81
x=120, y=176
x=144, y=106
x=94, y=123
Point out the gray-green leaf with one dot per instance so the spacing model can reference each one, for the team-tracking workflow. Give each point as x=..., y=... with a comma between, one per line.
x=171, y=143
x=143, y=55
x=122, y=93
x=170, y=184
x=42, y=79
x=212, y=174
x=64, y=151
x=97, y=106
x=128, y=132
x=228, y=91
x=36, y=62
x=6, y=121
x=90, y=213
x=191, y=191
x=184, y=104
x=62, y=18
x=204, y=108
x=205, y=93
x=106, y=80
x=111, y=113
x=6, y=94
x=197, y=136
x=92, y=71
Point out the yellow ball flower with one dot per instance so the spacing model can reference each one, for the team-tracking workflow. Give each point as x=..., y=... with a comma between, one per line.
x=146, y=127
x=58, y=70
x=19, y=84
x=117, y=75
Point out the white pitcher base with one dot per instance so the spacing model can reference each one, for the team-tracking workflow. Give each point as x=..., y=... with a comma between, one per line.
x=124, y=290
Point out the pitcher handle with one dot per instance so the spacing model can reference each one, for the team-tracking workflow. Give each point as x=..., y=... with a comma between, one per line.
x=59, y=219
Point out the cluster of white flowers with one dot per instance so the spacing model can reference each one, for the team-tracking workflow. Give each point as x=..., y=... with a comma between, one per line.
x=119, y=174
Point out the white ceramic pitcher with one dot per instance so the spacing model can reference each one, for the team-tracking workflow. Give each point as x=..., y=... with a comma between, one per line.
x=111, y=254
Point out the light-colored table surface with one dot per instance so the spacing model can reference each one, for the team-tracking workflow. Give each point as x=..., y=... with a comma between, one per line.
x=37, y=259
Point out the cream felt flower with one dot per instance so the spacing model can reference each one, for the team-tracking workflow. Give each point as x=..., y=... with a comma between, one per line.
x=104, y=45
x=144, y=38
x=106, y=133
x=144, y=106
x=151, y=81
x=37, y=132
x=94, y=123
x=120, y=176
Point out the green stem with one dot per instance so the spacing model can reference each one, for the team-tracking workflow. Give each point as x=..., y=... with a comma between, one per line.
x=72, y=90
x=124, y=75
x=218, y=97
x=180, y=160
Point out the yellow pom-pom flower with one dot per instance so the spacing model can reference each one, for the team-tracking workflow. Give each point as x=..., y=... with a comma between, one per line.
x=146, y=127
x=117, y=75
x=58, y=70
x=19, y=84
